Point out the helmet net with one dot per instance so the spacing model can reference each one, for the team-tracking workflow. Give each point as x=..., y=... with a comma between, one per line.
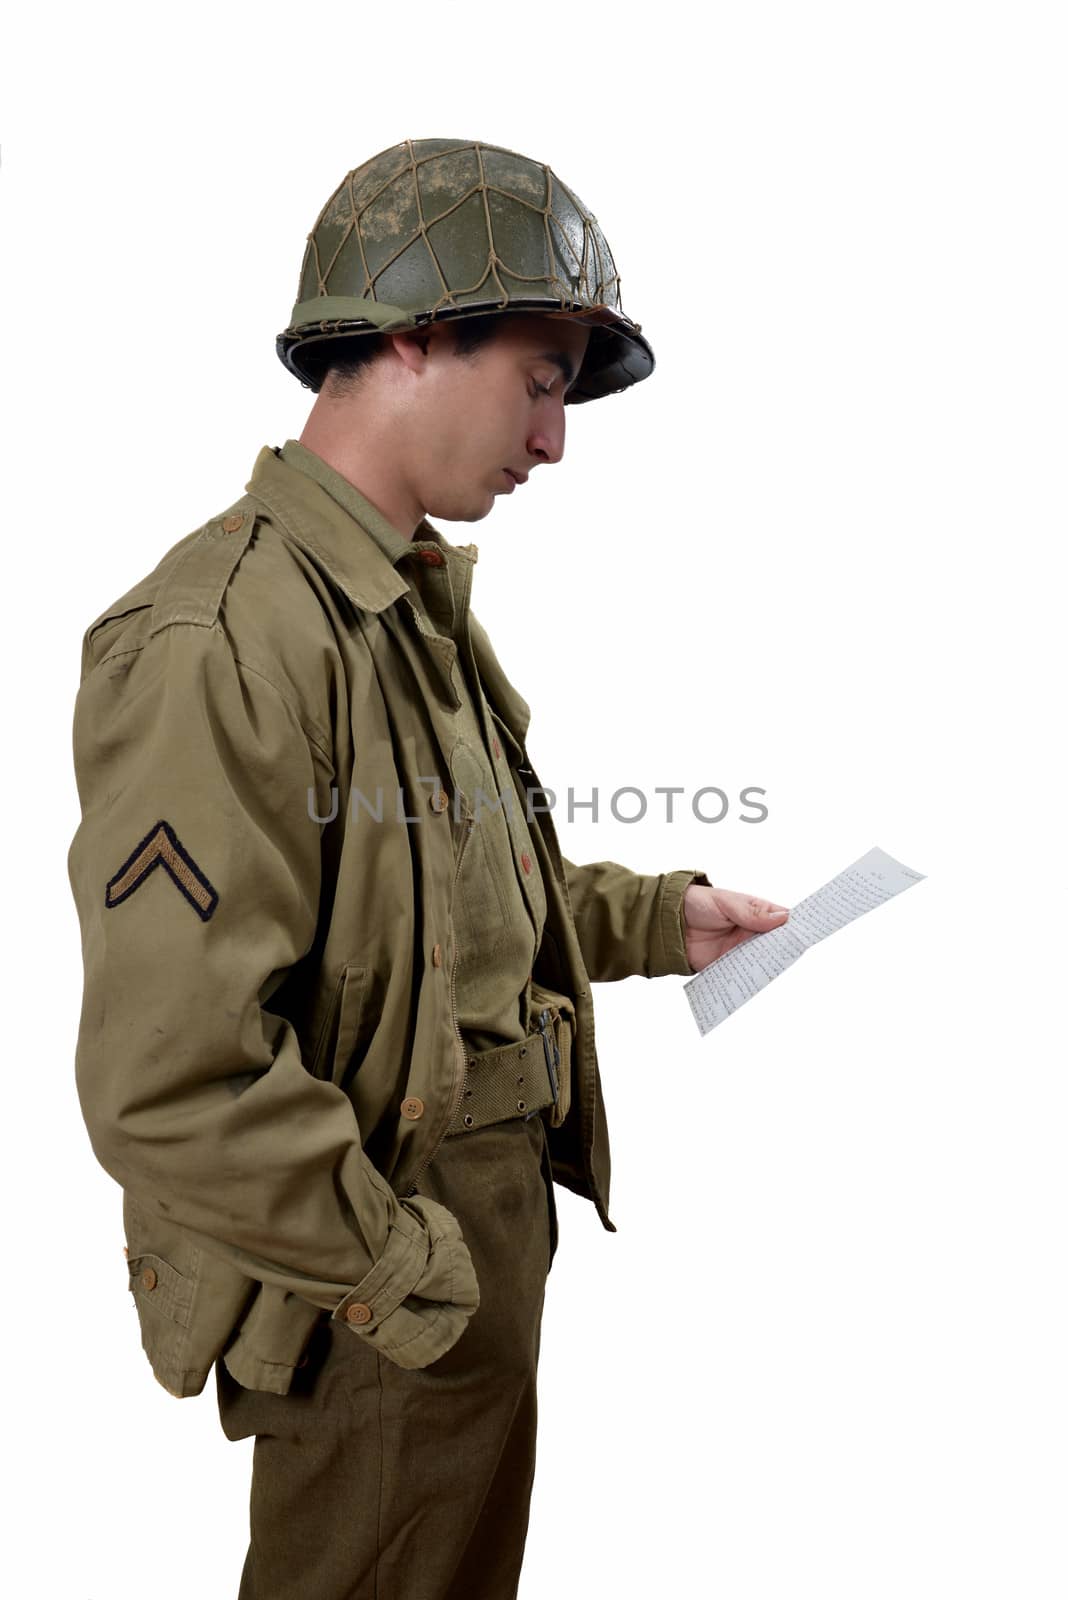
x=383, y=218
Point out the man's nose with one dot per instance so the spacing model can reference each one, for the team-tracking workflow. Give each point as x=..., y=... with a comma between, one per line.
x=546, y=440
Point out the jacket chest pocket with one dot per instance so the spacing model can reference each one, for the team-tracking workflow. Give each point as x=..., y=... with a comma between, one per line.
x=336, y=1053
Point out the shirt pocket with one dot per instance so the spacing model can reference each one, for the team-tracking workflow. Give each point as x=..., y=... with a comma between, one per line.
x=484, y=882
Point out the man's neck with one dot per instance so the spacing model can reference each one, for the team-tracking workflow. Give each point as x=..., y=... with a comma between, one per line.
x=357, y=456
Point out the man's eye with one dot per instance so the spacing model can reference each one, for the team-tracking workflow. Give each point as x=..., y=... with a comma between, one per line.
x=539, y=388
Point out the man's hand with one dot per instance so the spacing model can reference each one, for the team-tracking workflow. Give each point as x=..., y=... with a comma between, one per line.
x=718, y=919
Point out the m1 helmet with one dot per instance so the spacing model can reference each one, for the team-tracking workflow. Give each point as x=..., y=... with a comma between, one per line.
x=433, y=229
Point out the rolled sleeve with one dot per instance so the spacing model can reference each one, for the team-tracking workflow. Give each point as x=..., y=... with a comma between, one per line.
x=418, y=1297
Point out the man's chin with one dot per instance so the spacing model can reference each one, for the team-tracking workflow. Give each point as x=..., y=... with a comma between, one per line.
x=464, y=510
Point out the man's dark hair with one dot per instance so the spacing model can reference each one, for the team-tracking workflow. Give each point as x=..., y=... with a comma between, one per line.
x=345, y=360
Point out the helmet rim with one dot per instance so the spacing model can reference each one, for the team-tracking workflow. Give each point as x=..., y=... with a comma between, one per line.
x=617, y=355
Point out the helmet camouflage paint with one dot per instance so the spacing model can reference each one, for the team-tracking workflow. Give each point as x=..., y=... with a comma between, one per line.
x=432, y=229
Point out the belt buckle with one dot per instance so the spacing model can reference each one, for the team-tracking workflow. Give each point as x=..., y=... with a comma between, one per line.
x=552, y=1052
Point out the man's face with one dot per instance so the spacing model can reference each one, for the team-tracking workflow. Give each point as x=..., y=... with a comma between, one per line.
x=500, y=408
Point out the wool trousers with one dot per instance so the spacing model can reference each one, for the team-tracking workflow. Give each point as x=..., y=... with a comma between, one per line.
x=371, y=1482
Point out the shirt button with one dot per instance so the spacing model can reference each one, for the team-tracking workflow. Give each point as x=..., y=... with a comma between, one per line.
x=148, y=1278
x=527, y=863
x=436, y=957
x=412, y=1108
x=439, y=800
x=232, y=523
x=432, y=558
x=358, y=1312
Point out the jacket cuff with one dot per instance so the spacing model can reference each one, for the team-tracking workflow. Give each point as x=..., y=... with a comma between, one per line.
x=671, y=923
x=391, y=1279
x=416, y=1300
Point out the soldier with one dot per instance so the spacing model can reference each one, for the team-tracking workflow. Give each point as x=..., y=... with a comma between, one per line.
x=336, y=1041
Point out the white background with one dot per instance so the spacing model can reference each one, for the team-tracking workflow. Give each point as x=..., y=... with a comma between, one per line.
x=818, y=551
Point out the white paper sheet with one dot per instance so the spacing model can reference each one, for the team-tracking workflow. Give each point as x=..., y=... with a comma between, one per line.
x=720, y=988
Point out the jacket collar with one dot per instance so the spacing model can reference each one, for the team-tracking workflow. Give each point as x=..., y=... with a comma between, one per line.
x=388, y=538
x=353, y=554
x=357, y=561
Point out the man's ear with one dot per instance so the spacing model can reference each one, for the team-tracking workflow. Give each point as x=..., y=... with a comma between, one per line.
x=413, y=346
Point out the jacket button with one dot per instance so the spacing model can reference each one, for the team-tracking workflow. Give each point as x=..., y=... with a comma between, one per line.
x=496, y=746
x=436, y=957
x=148, y=1278
x=232, y=523
x=358, y=1312
x=412, y=1108
x=439, y=800
x=525, y=859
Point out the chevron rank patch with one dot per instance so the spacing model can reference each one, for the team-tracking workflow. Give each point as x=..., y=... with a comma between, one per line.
x=161, y=847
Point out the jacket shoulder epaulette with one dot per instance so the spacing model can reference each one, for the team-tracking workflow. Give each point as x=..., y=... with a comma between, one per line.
x=193, y=589
x=185, y=585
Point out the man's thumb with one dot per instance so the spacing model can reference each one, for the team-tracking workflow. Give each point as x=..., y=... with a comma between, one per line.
x=769, y=912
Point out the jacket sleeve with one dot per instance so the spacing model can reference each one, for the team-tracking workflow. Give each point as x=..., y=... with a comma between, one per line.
x=630, y=924
x=196, y=874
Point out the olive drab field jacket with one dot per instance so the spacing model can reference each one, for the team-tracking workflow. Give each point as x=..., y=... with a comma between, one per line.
x=268, y=1054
